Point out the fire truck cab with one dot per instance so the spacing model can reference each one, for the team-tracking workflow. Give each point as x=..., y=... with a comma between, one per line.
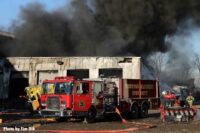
x=66, y=97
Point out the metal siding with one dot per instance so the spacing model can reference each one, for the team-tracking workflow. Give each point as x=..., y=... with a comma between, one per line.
x=148, y=88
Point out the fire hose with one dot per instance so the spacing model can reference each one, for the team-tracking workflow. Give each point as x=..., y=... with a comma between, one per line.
x=13, y=113
x=142, y=126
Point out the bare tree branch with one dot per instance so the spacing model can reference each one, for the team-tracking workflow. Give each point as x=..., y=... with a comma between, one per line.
x=158, y=62
x=197, y=62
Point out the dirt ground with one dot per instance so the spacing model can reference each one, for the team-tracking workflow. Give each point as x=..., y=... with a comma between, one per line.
x=23, y=122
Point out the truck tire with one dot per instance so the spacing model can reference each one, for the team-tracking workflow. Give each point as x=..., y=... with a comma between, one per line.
x=134, y=111
x=91, y=115
x=144, y=111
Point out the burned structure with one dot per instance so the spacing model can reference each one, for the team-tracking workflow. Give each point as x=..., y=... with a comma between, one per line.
x=20, y=72
x=5, y=38
x=36, y=69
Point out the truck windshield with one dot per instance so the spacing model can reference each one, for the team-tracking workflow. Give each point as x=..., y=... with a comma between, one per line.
x=58, y=88
x=64, y=88
x=48, y=88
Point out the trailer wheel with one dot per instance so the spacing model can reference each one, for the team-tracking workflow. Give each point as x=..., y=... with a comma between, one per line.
x=134, y=111
x=144, y=111
x=91, y=115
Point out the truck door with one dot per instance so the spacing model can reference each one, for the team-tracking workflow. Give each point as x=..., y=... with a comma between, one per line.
x=82, y=96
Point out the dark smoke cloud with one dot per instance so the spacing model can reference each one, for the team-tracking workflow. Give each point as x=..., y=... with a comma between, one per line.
x=145, y=23
x=89, y=35
x=40, y=33
x=100, y=27
x=179, y=66
x=176, y=67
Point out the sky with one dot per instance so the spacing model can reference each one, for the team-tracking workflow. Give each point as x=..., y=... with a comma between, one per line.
x=10, y=9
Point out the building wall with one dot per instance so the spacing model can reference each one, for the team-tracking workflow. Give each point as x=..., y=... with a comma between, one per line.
x=4, y=79
x=131, y=66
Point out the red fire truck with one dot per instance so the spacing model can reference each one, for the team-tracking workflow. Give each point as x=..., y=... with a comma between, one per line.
x=66, y=97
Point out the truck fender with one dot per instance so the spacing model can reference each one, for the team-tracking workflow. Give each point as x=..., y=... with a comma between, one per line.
x=134, y=103
x=134, y=110
x=91, y=115
x=145, y=103
x=144, y=109
x=92, y=107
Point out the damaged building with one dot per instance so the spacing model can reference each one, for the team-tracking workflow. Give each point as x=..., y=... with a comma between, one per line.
x=5, y=38
x=16, y=73
x=20, y=72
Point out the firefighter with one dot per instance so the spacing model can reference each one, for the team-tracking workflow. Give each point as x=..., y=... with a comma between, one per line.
x=79, y=90
x=169, y=98
x=190, y=100
x=33, y=94
x=51, y=89
x=177, y=102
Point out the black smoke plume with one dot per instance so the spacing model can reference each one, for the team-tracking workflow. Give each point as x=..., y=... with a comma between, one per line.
x=100, y=27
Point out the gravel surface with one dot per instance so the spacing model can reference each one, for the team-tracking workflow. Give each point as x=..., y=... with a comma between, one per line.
x=114, y=123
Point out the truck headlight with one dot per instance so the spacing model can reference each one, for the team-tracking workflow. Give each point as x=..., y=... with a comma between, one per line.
x=63, y=104
x=164, y=93
x=43, y=104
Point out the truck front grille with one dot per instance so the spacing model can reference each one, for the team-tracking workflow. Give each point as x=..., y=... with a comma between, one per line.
x=53, y=103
